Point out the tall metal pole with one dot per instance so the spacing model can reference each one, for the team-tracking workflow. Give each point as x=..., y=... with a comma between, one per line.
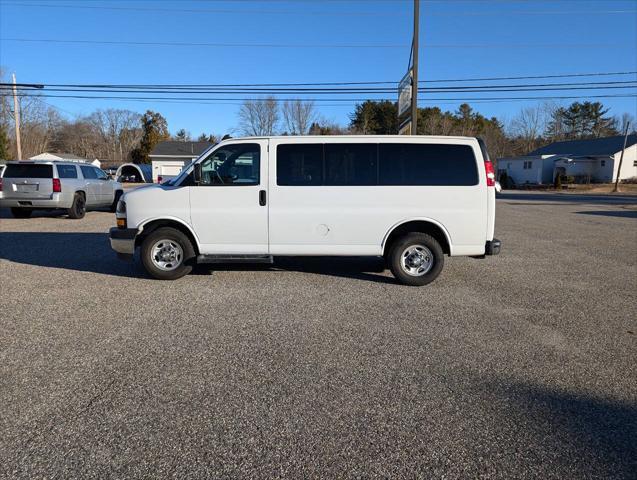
x=621, y=158
x=414, y=78
x=16, y=116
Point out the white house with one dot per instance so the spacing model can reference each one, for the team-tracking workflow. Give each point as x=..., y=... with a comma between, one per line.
x=169, y=158
x=64, y=157
x=594, y=160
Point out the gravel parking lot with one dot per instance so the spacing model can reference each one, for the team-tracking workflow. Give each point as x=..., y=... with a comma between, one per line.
x=516, y=366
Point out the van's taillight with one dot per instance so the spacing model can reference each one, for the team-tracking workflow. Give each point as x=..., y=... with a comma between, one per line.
x=0, y=184
x=488, y=167
x=57, y=186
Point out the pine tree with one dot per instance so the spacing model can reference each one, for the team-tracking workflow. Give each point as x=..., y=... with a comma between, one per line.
x=154, y=130
x=581, y=120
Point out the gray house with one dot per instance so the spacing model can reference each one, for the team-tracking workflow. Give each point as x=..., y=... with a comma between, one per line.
x=170, y=157
x=594, y=160
x=175, y=150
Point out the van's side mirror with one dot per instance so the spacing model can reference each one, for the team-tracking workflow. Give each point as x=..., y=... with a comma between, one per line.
x=197, y=173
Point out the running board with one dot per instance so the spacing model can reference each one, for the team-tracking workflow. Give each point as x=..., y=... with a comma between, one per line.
x=235, y=259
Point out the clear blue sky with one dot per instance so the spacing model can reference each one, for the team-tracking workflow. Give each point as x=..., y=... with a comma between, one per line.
x=459, y=39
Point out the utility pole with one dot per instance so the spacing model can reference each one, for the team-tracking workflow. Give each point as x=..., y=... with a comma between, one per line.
x=414, y=78
x=16, y=116
x=621, y=159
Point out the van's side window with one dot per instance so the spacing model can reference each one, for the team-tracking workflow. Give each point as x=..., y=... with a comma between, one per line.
x=299, y=164
x=427, y=164
x=351, y=164
x=232, y=165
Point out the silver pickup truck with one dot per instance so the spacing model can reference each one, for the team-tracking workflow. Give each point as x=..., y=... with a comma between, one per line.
x=70, y=186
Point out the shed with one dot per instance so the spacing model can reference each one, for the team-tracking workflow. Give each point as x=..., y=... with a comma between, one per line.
x=134, y=173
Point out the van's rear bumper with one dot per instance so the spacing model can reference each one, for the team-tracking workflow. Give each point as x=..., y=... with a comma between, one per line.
x=492, y=247
x=123, y=242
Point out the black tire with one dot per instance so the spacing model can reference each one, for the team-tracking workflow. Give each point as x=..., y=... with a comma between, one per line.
x=183, y=266
x=18, y=212
x=78, y=207
x=425, y=249
x=118, y=195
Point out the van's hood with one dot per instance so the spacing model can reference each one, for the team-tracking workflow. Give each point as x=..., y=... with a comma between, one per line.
x=157, y=201
x=138, y=190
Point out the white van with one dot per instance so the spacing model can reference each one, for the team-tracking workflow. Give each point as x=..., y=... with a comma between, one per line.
x=410, y=199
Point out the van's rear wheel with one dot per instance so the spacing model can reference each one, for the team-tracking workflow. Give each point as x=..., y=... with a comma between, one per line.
x=416, y=259
x=18, y=212
x=167, y=254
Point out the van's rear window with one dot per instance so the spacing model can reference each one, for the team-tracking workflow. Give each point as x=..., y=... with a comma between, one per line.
x=28, y=170
x=427, y=164
x=376, y=164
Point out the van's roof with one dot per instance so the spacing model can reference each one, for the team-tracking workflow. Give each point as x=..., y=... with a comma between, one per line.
x=318, y=137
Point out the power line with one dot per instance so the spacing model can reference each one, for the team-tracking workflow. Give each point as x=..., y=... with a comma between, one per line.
x=221, y=11
x=351, y=100
x=320, y=13
x=190, y=89
x=307, y=45
x=531, y=77
x=249, y=85
x=339, y=90
x=200, y=44
x=332, y=92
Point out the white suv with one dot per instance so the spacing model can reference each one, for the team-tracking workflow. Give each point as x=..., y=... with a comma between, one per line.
x=71, y=186
x=410, y=199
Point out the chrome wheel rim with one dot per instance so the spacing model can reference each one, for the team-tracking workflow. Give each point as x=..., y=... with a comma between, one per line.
x=416, y=260
x=167, y=255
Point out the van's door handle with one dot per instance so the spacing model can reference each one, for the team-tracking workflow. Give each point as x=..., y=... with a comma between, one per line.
x=262, y=197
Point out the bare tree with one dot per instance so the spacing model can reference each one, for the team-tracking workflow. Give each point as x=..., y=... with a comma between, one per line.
x=528, y=127
x=298, y=116
x=38, y=122
x=626, y=120
x=114, y=133
x=259, y=117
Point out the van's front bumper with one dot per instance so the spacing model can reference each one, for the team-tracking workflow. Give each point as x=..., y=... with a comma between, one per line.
x=123, y=241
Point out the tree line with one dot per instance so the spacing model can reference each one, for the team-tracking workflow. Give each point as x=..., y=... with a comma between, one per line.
x=531, y=128
x=119, y=135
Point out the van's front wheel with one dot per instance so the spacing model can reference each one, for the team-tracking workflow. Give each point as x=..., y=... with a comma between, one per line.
x=167, y=254
x=416, y=259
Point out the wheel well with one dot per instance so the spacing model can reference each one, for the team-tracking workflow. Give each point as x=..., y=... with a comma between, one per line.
x=421, y=226
x=155, y=224
x=82, y=192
